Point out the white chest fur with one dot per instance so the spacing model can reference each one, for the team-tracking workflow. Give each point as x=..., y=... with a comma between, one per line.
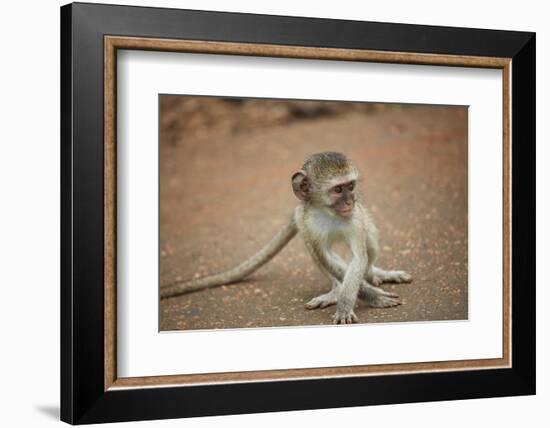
x=329, y=228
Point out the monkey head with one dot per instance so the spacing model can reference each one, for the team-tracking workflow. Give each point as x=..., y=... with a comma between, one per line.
x=327, y=180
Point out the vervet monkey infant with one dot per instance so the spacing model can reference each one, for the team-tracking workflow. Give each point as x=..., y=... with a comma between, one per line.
x=329, y=212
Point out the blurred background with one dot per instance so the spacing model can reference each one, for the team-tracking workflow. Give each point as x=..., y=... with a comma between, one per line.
x=225, y=168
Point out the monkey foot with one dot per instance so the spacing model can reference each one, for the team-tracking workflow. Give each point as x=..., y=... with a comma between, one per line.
x=383, y=301
x=376, y=281
x=321, y=301
x=367, y=292
x=400, y=277
x=391, y=276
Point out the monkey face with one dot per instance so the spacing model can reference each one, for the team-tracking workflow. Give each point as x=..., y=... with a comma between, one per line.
x=342, y=198
x=327, y=181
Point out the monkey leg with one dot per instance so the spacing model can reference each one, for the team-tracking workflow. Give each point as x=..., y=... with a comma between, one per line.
x=318, y=255
x=373, y=296
x=377, y=276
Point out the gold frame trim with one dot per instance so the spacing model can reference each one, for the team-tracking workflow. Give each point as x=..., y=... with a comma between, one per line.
x=112, y=43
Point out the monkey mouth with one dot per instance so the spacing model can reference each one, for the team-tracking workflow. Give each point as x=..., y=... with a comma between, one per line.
x=346, y=212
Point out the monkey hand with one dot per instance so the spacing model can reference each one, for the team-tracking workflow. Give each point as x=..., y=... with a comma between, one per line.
x=344, y=313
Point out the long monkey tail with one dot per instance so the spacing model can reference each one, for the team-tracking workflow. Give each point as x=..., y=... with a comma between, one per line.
x=239, y=272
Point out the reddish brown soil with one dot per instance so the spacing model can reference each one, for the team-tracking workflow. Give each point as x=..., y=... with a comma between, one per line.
x=225, y=193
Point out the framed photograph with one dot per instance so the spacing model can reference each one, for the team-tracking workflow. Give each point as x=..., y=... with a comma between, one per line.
x=266, y=213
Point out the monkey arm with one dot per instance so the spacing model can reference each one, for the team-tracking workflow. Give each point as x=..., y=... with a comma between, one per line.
x=327, y=261
x=239, y=272
x=332, y=265
x=355, y=272
x=373, y=295
x=352, y=281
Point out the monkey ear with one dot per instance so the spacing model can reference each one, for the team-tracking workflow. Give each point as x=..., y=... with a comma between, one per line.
x=301, y=185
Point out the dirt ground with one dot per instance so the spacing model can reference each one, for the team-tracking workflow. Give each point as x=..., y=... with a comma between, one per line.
x=226, y=191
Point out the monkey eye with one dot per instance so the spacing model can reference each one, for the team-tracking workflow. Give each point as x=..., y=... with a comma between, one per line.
x=338, y=189
x=351, y=186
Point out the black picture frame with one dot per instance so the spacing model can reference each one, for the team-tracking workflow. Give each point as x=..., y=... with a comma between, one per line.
x=83, y=397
